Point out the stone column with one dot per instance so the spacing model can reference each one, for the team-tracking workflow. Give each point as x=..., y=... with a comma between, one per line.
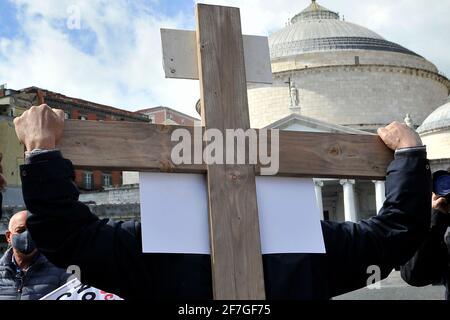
x=349, y=200
x=318, y=188
x=380, y=194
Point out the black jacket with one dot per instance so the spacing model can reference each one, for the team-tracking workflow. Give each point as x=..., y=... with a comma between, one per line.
x=110, y=256
x=431, y=263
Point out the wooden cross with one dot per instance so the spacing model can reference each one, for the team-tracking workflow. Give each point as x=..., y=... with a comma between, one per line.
x=233, y=212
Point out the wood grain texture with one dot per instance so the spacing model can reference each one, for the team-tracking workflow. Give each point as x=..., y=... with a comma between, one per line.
x=233, y=210
x=332, y=155
x=147, y=147
x=128, y=146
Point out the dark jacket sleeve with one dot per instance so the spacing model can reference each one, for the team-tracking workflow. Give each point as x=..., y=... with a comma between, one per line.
x=67, y=233
x=387, y=240
x=430, y=262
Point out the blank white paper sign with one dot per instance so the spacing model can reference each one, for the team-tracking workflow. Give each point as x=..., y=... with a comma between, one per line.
x=289, y=217
x=174, y=214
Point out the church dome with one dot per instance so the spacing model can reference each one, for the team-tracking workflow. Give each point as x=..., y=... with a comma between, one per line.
x=437, y=120
x=319, y=29
x=342, y=73
x=435, y=134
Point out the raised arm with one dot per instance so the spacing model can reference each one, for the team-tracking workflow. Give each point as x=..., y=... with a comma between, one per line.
x=64, y=229
x=391, y=238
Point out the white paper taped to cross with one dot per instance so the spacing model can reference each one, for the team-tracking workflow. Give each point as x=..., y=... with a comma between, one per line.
x=174, y=214
x=180, y=56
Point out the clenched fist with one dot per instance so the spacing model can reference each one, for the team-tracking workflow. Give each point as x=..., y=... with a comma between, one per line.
x=2, y=178
x=399, y=135
x=40, y=127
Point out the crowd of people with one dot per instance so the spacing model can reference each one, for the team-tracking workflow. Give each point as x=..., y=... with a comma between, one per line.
x=57, y=231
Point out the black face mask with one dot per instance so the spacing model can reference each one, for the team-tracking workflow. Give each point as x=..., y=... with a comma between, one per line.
x=23, y=243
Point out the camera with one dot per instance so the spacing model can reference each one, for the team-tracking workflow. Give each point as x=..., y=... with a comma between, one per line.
x=441, y=184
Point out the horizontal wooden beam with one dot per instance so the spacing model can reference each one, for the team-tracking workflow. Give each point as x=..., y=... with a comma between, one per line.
x=132, y=146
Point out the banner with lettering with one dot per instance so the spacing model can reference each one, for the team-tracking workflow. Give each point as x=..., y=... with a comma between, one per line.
x=75, y=290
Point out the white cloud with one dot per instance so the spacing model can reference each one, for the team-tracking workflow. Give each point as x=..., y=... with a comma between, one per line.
x=124, y=70
x=124, y=67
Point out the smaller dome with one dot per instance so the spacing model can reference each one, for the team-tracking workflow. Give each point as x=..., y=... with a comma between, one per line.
x=438, y=119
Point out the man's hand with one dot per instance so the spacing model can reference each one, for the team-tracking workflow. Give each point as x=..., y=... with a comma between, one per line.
x=2, y=178
x=399, y=135
x=440, y=204
x=40, y=127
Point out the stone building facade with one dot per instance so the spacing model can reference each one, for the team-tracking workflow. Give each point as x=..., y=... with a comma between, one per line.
x=331, y=75
x=338, y=72
x=435, y=134
x=166, y=115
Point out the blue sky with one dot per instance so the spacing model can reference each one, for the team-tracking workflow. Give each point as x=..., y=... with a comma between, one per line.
x=174, y=6
x=8, y=20
x=115, y=55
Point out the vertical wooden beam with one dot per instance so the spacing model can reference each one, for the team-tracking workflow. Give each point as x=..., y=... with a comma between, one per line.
x=233, y=211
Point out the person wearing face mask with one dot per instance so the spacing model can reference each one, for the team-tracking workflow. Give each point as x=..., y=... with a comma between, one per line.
x=25, y=274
